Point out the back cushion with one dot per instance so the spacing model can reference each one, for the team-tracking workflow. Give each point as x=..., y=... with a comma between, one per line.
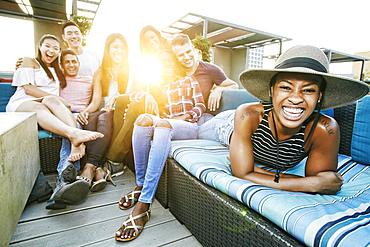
x=231, y=99
x=328, y=112
x=6, y=91
x=361, y=132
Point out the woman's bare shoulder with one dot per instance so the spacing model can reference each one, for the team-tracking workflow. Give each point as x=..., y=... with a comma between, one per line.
x=326, y=132
x=328, y=125
x=247, y=117
x=29, y=62
x=250, y=109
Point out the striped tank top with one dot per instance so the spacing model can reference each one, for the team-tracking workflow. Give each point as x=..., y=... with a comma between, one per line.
x=265, y=146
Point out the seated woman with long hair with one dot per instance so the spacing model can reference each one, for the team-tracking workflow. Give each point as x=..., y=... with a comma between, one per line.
x=151, y=41
x=110, y=81
x=38, y=81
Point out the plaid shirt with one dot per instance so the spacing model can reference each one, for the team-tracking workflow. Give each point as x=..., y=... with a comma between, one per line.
x=184, y=96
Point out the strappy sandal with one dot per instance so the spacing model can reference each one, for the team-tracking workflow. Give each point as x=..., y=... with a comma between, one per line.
x=88, y=180
x=101, y=183
x=130, y=197
x=133, y=226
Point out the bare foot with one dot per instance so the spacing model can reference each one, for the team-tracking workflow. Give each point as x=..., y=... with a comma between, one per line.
x=130, y=232
x=80, y=136
x=76, y=153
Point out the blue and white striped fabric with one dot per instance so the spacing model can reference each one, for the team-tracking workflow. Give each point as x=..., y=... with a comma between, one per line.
x=316, y=220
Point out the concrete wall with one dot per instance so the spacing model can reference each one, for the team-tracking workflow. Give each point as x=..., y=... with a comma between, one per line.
x=232, y=62
x=356, y=67
x=222, y=58
x=19, y=167
x=42, y=27
x=238, y=64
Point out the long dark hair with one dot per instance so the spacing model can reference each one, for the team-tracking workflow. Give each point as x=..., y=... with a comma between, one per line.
x=144, y=48
x=123, y=76
x=54, y=64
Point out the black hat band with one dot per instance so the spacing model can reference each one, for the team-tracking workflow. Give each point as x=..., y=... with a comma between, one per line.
x=304, y=62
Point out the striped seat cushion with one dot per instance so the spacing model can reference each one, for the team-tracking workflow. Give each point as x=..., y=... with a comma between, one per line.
x=316, y=220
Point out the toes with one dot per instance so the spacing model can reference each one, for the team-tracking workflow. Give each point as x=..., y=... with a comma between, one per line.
x=129, y=234
x=122, y=201
x=119, y=233
x=71, y=159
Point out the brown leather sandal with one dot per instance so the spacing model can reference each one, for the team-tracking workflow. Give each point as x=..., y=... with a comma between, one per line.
x=133, y=226
x=88, y=180
x=101, y=183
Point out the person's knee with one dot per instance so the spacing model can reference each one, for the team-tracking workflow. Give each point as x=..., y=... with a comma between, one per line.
x=51, y=100
x=136, y=108
x=106, y=116
x=40, y=107
x=163, y=124
x=105, y=119
x=144, y=120
x=122, y=102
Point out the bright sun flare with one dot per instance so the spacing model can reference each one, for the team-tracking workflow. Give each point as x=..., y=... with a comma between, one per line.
x=146, y=70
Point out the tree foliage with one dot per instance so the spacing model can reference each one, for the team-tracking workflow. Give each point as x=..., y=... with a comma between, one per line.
x=203, y=45
x=85, y=25
x=366, y=76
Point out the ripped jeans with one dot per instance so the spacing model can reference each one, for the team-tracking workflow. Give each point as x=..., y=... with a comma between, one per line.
x=151, y=146
x=219, y=128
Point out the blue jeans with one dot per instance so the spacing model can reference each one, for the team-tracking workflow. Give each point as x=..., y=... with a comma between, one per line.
x=150, y=156
x=219, y=128
x=204, y=118
x=65, y=151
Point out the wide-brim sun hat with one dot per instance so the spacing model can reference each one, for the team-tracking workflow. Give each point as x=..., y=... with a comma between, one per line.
x=306, y=59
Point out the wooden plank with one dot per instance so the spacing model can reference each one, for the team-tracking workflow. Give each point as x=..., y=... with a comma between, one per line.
x=44, y=226
x=87, y=234
x=95, y=221
x=156, y=235
x=188, y=241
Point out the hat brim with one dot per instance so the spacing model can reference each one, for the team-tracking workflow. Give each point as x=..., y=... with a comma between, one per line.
x=339, y=90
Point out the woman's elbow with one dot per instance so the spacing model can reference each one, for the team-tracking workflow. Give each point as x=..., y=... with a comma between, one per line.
x=237, y=172
x=27, y=89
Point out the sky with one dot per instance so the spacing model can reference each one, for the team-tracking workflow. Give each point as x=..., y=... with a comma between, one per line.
x=335, y=24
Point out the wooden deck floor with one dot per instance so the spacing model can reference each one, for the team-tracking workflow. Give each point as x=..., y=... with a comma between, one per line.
x=94, y=221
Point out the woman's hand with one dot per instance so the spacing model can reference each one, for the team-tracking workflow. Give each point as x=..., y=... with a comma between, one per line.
x=151, y=105
x=83, y=117
x=141, y=96
x=328, y=182
x=18, y=63
x=109, y=105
